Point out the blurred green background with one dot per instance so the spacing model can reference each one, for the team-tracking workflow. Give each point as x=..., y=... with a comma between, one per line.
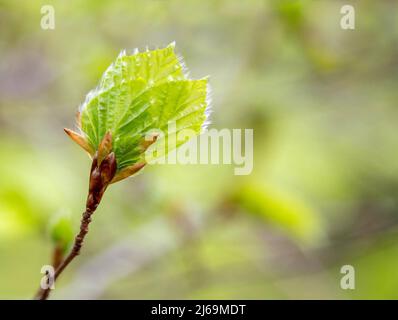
x=323, y=193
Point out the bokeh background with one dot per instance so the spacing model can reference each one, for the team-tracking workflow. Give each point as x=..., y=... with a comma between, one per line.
x=324, y=190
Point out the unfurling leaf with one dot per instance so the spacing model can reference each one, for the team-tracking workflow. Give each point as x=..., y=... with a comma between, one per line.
x=137, y=94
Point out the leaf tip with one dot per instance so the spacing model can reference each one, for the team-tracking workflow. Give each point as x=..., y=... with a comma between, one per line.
x=172, y=45
x=80, y=140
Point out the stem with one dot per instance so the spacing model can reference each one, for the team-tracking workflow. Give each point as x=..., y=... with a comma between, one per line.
x=58, y=256
x=100, y=176
x=44, y=293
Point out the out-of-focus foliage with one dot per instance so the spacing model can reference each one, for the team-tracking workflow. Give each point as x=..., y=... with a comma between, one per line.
x=61, y=231
x=323, y=192
x=286, y=212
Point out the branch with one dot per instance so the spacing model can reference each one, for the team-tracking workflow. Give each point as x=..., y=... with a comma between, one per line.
x=101, y=174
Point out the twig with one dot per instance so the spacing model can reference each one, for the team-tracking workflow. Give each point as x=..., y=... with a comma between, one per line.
x=101, y=174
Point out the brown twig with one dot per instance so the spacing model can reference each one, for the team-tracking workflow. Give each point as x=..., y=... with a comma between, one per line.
x=101, y=174
x=58, y=256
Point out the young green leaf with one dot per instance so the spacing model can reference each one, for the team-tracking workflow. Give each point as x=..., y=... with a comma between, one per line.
x=138, y=94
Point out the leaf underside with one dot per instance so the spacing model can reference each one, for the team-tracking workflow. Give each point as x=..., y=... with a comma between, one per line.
x=139, y=93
